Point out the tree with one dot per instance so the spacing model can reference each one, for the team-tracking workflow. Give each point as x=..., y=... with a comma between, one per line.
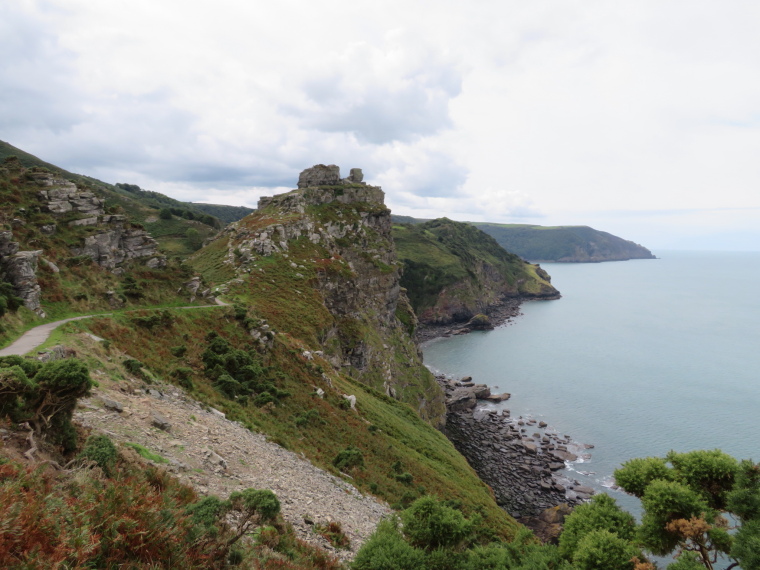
x=165, y=214
x=684, y=497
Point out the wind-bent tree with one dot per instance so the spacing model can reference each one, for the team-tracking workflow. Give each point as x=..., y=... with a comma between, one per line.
x=686, y=496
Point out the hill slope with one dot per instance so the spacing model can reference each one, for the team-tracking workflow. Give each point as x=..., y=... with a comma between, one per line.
x=453, y=271
x=563, y=243
x=316, y=351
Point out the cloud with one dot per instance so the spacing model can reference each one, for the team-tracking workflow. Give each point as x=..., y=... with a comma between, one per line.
x=507, y=110
x=382, y=94
x=36, y=91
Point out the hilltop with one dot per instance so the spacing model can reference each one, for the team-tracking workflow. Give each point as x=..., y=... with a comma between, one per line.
x=453, y=271
x=569, y=244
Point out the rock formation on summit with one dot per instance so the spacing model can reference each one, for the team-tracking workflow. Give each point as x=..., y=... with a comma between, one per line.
x=332, y=236
x=321, y=175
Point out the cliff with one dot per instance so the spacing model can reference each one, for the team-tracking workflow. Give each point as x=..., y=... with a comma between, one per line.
x=570, y=244
x=320, y=263
x=453, y=271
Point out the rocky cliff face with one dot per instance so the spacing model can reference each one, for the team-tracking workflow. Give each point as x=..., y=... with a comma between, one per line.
x=334, y=240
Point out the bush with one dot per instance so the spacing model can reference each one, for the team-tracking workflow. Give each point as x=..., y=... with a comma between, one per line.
x=100, y=450
x=165, y=214
x=183, y=377
x=178, y=351
x=133, y=366
x=430, y=525
x=348, y=459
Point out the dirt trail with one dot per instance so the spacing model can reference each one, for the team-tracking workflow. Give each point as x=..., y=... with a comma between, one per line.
x=35, y=337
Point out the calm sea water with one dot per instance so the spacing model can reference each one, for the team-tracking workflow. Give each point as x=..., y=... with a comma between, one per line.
x=637, y=358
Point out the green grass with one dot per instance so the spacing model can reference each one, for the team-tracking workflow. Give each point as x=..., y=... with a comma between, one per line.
x=146, y=453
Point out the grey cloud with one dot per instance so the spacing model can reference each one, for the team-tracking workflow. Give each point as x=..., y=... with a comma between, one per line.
x=36, y=90
x=405, y=108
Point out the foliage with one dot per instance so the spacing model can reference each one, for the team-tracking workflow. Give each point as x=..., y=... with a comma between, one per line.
x=333, y=533
x=137, y=517
x=9, y=302
x=349, y=458
x=100, y=450
x=601, y=513
x=430, y=525
x=46, y=398
x=684, y=495
x=604, y=550
x=434, y=536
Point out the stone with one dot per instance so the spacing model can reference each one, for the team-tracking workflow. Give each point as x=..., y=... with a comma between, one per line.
x=498, y=397
x=112, y=405
x=319, y=175
x=480, y=322
x=20, y=269
x=351, y=400
x=356, y=176
x=159, y=421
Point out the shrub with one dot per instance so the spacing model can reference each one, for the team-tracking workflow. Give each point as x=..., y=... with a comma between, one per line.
x=333, y=533
x=133, y=366
x=178, y=351
x=183, y=376
x=349, y=458
x=430, y=525
x=100, y=450
x=405, y=478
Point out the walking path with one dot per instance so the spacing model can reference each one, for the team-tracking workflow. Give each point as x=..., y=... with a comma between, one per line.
x=33, y=338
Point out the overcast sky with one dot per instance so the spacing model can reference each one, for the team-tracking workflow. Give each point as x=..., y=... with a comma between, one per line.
x=638, y=118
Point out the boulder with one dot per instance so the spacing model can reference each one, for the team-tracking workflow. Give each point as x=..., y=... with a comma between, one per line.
x=480, y=322
x=159, y=421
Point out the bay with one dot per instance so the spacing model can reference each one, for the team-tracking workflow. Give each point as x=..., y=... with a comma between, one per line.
x=636, y=358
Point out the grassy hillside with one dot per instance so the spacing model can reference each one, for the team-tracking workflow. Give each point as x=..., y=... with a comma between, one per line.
x=454, y=270
x=563, y=243
x=312, y=321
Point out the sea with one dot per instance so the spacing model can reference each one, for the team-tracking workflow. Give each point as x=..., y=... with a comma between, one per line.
x=637, y=358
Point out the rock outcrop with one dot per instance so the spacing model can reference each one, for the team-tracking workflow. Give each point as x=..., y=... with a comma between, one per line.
x=19, y=268
x=115, y=241
x=321, y=175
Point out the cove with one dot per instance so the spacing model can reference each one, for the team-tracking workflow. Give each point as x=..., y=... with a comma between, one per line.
x=637, y=358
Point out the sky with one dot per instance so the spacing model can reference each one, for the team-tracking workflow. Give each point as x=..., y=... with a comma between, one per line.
x=637, y=118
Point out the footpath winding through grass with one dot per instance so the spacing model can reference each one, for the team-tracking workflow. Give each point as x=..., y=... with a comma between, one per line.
x=36, y=336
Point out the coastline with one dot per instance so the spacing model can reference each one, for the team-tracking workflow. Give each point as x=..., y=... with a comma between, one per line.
x=523, y=468
x=499, y=314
